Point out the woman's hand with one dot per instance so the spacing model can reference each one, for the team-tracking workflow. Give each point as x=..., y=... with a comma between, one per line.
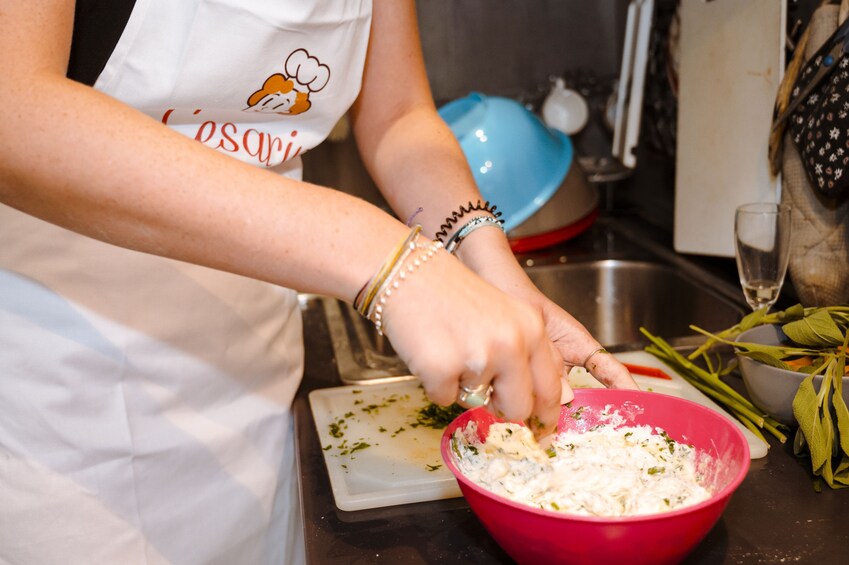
x=453, y=329
x=488, y=253
x=445, y=321
x=577, y=347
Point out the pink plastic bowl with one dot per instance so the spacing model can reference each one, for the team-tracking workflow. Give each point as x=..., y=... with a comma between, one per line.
x=533, y=535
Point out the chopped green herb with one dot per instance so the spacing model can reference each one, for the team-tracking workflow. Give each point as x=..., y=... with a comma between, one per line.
x=534, y=423
x=433, y=467
x=359, y=446
x=656, y=470
x=336, y=429
x=670, y=443
x=454, y=447
x=436, y=416
x=578, y=412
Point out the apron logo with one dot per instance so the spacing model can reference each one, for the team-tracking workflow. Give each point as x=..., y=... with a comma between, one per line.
x=289, y=93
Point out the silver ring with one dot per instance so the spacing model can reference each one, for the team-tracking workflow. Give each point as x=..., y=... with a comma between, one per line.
x=590, y=356
x=472, y=397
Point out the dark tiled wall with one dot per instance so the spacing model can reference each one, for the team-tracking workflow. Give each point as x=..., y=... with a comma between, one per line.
x=510, y=47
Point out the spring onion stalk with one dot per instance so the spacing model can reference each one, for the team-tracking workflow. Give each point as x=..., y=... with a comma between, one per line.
x=708, y=382
x=698, y=375
x=752, y=428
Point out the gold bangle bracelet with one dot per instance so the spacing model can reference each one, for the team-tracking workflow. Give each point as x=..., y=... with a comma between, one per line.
x=385, y=269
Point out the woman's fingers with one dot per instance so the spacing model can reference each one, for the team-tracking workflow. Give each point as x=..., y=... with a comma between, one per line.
x=548, y=390
x=512, y=388
x=566, y=393
x=454, y=330
x=610, y=371
x=577, y=347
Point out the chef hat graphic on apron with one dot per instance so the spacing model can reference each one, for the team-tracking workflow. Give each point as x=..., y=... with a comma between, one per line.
x=289, y=93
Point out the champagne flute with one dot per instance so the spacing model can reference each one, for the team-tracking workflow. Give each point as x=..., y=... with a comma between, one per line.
x=762, y=239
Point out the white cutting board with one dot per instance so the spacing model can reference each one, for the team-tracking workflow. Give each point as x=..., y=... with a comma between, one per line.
x=401, y=467
x=731, y=60
x=677, y=386
x=398, y=467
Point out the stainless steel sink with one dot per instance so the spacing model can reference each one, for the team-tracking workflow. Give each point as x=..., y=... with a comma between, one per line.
x=612, y=298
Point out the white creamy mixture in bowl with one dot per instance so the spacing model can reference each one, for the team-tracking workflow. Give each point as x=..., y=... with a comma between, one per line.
x=609, y=470
x=631, y=477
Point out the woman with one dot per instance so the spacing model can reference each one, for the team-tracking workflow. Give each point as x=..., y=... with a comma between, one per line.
x=152, y=226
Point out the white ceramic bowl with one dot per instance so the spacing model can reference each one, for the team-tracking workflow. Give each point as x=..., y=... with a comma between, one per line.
x=772, y=389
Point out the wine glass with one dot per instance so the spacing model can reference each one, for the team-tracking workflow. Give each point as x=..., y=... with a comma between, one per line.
x=762, y=239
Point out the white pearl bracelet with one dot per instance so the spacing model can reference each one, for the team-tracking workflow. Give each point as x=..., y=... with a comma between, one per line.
x=417, y=256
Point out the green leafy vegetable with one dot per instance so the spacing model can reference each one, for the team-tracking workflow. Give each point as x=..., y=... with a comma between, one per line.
x=757, y=318
x=767, y=359
x=816, y=330
x=823, y=419
x=819, y=339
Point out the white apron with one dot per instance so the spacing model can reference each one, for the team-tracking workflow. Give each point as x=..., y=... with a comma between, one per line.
x=144, y=402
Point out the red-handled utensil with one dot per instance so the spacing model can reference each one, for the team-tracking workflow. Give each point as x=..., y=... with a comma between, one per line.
x=646, y=371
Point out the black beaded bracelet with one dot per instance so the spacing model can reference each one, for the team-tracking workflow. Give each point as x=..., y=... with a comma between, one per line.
x=454, y=218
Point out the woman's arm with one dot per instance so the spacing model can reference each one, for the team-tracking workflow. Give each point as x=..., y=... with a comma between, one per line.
x=416, y=161
x=406, y=147
x=80, y=159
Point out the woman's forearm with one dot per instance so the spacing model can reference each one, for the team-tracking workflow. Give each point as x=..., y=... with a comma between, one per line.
x=424, y=170
x=89, y=163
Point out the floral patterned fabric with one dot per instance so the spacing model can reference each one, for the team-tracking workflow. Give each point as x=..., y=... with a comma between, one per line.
x=820, y=124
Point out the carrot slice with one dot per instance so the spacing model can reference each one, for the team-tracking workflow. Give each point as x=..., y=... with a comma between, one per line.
x=799, y=362
x=647, y=371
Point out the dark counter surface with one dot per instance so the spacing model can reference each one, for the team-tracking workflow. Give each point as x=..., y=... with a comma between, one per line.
x=774, y=517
